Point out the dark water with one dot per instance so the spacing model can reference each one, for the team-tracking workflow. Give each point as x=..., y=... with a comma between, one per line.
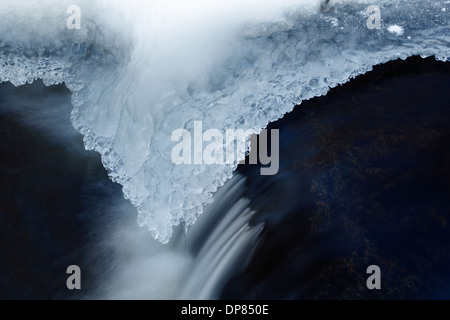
x=364, y=179
x=53, y=196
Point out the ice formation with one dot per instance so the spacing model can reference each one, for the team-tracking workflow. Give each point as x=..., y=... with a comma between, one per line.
x=140, y=69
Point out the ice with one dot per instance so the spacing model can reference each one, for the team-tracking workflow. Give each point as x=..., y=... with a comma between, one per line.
x=396, y=29
x=139, y=70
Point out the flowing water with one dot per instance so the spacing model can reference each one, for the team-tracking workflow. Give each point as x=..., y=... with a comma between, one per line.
x=136, y=71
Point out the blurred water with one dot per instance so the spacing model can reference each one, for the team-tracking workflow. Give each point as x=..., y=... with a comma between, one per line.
x=59, y=208
x=363, y=180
